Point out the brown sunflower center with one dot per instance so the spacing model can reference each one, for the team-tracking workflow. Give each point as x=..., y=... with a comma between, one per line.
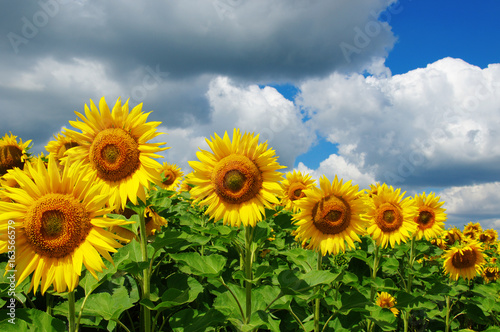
x=114, y=154
x=296, y=191
x=425, y=219
x=236, y=179
x=331, y=215
x=464, y=259
x=169, y=178
x=389, y=217
x=10, y=157
x=56, y=224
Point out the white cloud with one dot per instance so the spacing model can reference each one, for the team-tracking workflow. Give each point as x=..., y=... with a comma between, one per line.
x=442, y=119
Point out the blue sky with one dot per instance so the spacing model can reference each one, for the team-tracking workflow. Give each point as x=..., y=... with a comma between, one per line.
x=370, y=90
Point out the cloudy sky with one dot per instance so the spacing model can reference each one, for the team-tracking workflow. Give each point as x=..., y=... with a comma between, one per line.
x=406, y=92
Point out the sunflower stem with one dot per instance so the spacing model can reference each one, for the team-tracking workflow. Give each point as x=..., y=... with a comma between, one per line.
x=447, y=319
x=406, y=316
x=317, y=301
x=376, y=262
x=146, y=277
x=71, y=311
x=249, y=232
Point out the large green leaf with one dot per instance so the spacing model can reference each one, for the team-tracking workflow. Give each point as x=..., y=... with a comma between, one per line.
x=181, y=289
x=30, y=320
x=196, y=321
x=204, y=266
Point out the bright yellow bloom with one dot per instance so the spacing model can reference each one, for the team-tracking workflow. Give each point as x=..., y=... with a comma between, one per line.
x=12, y=153
x=465, y=261
x=489, y=236
x=472, y=230
x=114, y=146
x=60, y=224
x=171, y=175
x=330, y=217
x=430, y=216
x=237, y=180
x=293, y=188
x=386, y=300
x=490, y=273
x=390, y=216
x=60, y=145
x=154, y=221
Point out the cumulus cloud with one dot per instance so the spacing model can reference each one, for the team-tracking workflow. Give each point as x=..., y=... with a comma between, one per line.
x=431, y=126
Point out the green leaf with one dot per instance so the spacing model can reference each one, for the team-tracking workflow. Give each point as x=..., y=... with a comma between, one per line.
x=204, y=266
x=180, y=289
x=175, y=241
x=32, y=320
x=195, y=321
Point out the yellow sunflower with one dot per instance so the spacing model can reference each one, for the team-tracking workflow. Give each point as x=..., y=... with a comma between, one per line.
x=488, y=237
x=113, y=145
x=386, y=300
x=171, y=175
x=330, y=216
x=465, y=261
x=60, y=145
x=390, y=216
x=154, y=221
x=430, y=216
x=237, y=180
x=490, y=273
x=12, y=153
x=472, y=230
x=293, y=188
x=59, y=225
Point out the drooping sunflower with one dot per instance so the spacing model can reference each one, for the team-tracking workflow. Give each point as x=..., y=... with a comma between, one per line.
x=237, y=180
x=114, y=146
x=488, y=237
x=430, y=216
x=171, y=176
x=472, y=230
x=154, y=221
x=390, y=216
x=12, y=153
x=490, y=273
x=465, y=261
x=60, y=145
x=293, y=188
x=60, y=222
x=330, y=216
x=386, y=300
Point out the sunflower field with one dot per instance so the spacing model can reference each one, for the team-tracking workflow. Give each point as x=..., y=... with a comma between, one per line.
x=97, y=235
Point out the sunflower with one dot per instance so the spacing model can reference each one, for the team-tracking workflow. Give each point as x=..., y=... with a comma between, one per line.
x=430, y=216
x=154, y=221
x=60, y=225
x=293, y=189
x=237, y=180
x=472, y=230
x=171, y=175
x=488, y=237
x=386, y=300
x=60, y=145
x=330, y=216
x=113, y=146
x=12, y=153
x=490, y=273
x=465, y=261
x=390, y=216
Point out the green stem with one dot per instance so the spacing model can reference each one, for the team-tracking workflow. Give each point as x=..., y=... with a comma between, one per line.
x=447, y=320
x=409, y=282
x=249, y=231
x=71, y=311
x=317, y=301
x=376, y=262
x=146, y=277
x=234, y=297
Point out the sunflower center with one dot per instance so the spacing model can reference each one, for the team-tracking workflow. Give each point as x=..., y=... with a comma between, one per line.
x=389, y=217
x=10, y=157
x=295, y=191
x=236, y=179
x=331, y=215
x=56, y=224
x=169, y=178
x=114, y=154
x=464, y=259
